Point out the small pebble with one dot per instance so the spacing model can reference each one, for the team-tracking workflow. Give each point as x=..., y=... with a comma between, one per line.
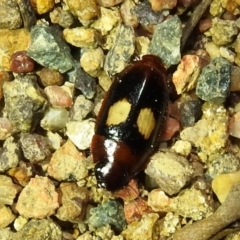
x=209, y=134
x=205, y=25
x=212, y=49
x=104, y=80
x=81, y=108
x=62, y=17
x=8, y=190
x=10, y=17
x=110, y=212
x=22, y=173
x=7, y=217
x=9, y=155
x=165, y=42
x=74, y=201
x=19, y=222
x=170, y=225
x=225, y=163
x=234, y=125
x=21, y=63
x=223, y=31
x=121, y=51
x=159, y=5
x=36, y=148
x=55, y=139
x=108, y=19
x=188, y=71
x=38, y=199
x=171, y=126
x=39, y=229
x=171, y=171
x=127, y=15
x=49, y=77
x=235, y=79
x=214, y=81
x=49, y=49
x=6, y=128
x=81, y=37
x=84, y=10
x=58, y=97
x=143, y=229
x=67, y=163
x=182, y=147
x=223, y=183
x=81, y=133
x=191, y=112
x=92, y=61
x=42, y=6
x=54, y=119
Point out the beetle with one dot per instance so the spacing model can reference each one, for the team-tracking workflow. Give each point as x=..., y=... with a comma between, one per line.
x=129, y=122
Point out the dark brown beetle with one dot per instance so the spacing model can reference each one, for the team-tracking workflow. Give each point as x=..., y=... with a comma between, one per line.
x=129, y=122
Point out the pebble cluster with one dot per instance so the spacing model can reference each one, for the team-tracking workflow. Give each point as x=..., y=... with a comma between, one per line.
x=57, y=60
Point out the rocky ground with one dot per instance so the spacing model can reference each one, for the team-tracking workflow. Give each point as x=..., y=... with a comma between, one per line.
x=57, y=60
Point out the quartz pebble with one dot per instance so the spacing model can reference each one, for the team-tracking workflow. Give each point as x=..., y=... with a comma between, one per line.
x=35, y=147
x=74, y=202
x=171, y=223
x=223, y=183
x=54, y=119
x=185, y=78
x=7, y=217
x=67, y=163
x=171, y=171
x=38, y=199
x=143, y=229
x=81, y=37
x=48, y=48
x=58, y=97
x=92, y=61
x=39, y=229
x=210, y=133
x=19, y=222
x=9, y=154
x=108, y=20
x=214, y=82
x=49, y=77
x=84, y=10
x=10, y=17
x=182, y=147
x=110, y=212
x=165, y=42
x=81, y=133
x=42, y=6
x=21, y=63
x=8, y=190
x=212, y=49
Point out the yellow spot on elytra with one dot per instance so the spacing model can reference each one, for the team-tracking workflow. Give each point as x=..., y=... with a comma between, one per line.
x=118, y=112
x=146, y=122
